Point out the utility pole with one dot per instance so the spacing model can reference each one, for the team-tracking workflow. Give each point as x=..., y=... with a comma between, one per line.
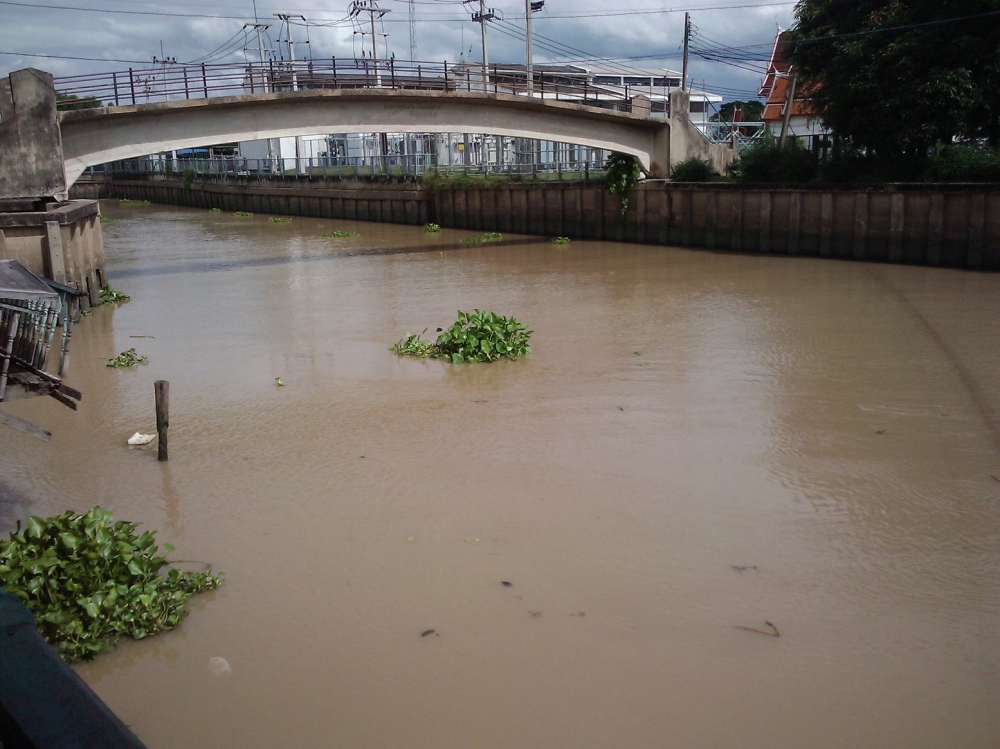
x=413, y=31
x=482, y=18
x=295, y=81
x=163, y=62
x=260, y=28
x=371, y=8
x=788, y=110
x=687, y=40
x=527, y=51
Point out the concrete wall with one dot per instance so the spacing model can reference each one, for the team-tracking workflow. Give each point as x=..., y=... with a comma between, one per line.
x=31, y=155
x=356, y=200
x=63, y=243
x=687, y=141
x=955, y=226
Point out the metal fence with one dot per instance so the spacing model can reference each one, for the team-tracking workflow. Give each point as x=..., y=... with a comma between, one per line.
x=322, y=168
x=196, y=81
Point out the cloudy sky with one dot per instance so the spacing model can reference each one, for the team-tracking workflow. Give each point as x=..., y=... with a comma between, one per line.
x=117, y=34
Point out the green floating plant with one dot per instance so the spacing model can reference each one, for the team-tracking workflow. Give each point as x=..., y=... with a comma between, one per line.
x=432, y=228
x=129, y=201
x=215, y=210
x=127, y=359
x=279, y=220
x=475, y=337
x=560, y=240
x=109, y=295
x=339, y=233
x=89, y=581
x=481, y=239
x=243, y=214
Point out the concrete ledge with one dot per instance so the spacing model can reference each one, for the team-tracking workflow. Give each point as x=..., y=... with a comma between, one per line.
x=62, y=213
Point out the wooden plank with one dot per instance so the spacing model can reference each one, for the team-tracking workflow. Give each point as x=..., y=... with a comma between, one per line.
x=24, y=426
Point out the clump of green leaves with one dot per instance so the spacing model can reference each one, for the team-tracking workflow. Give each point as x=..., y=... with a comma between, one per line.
x=475, y=337
x=279, y=220
x=432, y=228
x=110, y=295
x=129, y=201
x=693, y=170
x=481, y=239
x=560, y=240
x=89, y=581
x=341, y=233
x=243, y=214
x=106, y=220
x=127, y=359
x=621, y=173
x=215, y=210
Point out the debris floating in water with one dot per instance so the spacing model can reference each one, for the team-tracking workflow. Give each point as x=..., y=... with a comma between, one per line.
x=141, y=439
x=773, y=633
x=219, y=666
x=506, y=584
x=428, y=632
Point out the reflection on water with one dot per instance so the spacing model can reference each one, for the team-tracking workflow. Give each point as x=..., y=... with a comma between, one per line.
x=831, y=424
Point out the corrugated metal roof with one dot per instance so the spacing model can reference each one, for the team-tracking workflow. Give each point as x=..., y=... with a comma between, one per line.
x=17, y=282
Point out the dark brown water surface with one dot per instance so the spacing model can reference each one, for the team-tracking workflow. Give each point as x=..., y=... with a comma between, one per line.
x=834, y=425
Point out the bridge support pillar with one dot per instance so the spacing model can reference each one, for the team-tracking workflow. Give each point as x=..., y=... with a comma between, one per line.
x=31, y=153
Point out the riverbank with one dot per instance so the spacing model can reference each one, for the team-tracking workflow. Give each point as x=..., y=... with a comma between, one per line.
x=955, y=226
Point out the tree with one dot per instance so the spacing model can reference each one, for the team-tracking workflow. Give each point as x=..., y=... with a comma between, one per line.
x=68, y=101
x=753, y=110
x=895, y=77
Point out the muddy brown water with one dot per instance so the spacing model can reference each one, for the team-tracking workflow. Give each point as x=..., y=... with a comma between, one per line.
x=832, y=426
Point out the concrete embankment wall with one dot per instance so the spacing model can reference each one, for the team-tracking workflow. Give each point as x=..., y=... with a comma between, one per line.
x=62, y=242
x=363, y=201
x=946, y=225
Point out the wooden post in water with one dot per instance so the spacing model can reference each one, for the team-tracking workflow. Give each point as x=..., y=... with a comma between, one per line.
x=161, y=389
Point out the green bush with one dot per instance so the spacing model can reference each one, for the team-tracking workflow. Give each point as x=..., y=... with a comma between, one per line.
x=964, y=163
x=693, y=170
x=621, y=173
x=476, y=337
x=89, y=581
x=767, y=161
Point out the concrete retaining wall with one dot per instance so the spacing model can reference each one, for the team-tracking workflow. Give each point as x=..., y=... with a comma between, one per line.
x=63, y=242
x=955, y=226
x=392, y=203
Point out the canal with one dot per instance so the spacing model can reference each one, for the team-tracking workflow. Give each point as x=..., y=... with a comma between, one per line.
x=699, y=442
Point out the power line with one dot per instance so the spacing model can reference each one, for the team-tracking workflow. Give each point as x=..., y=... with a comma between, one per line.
x=69, y=57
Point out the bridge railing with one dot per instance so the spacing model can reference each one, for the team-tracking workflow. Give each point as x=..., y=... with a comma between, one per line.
x=197, y=81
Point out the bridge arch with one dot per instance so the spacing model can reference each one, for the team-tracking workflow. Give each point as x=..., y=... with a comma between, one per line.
x=96, y=136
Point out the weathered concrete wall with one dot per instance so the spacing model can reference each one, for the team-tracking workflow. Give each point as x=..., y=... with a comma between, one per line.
x=686, y=141
x=357, y=200
x=31, y=154
x=63, y=243
x=955, y=226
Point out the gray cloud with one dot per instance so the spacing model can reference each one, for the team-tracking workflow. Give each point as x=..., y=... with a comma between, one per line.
x=185, y=36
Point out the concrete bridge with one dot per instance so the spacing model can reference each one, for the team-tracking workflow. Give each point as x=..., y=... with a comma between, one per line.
x=88, y=137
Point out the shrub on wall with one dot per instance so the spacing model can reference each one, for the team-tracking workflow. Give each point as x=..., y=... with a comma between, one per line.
x=767, y=161
x=693, y=170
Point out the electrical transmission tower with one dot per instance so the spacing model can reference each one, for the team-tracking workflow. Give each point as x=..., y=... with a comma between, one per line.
x=413, y=30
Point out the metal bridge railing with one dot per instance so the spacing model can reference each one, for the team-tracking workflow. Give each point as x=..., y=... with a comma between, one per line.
x=199, y=81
